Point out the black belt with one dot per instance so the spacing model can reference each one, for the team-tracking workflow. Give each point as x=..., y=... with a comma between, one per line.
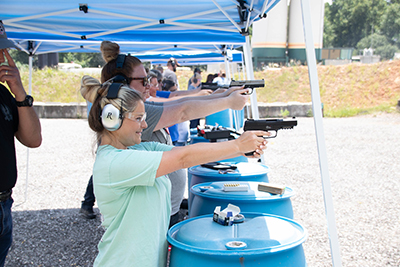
x=4, y=195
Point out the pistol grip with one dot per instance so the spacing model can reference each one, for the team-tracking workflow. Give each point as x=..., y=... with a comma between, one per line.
x=249, y=154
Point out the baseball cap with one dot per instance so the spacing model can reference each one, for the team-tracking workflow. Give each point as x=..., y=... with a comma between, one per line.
x=173, y=61
x=4, y=42
x=198, y=70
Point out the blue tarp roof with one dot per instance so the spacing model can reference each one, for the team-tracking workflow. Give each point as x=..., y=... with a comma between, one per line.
x=134, y=24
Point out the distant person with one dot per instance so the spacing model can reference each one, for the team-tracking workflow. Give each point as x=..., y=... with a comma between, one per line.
x=210, y=78
x=196, y=71
x=160, y=69
x=221, y=80
x=17, y=119
x=169, y=73
x=194, y=84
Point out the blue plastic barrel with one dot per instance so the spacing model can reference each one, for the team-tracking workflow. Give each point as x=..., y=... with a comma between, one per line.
x=261, y=240
x=206, y=196
x=245, y=171
x=221, y=118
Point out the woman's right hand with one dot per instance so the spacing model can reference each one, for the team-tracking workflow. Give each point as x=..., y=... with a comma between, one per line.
x=252, y=141
x=238, y=98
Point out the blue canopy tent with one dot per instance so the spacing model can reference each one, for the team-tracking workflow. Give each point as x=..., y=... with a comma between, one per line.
x=161, y=23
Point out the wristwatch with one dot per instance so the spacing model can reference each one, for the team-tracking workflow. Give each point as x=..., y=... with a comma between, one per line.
x=28, y=102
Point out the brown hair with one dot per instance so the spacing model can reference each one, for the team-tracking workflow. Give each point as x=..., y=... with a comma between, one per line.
x=110, y=52
x=95, y=92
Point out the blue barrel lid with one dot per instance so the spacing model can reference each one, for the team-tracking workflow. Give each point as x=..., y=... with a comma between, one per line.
x=215, y=190
x=260, y=233
x=246, y=169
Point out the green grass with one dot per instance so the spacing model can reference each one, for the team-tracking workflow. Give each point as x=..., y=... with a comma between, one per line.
x=346, y=90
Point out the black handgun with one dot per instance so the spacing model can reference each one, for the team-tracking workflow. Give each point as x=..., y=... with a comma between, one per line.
x=268, y=125
x=251, y=84
x=214, y=133
x=212, y=86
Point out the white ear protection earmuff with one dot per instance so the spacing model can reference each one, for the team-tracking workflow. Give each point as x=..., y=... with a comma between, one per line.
x=111, y=117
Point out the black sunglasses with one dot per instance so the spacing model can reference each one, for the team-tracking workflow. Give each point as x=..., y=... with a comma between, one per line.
x=144, y=80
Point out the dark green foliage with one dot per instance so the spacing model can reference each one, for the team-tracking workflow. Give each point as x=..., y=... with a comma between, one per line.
x=354, y=23
x=87, y=60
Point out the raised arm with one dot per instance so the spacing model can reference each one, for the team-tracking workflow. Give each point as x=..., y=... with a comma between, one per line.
x=187, y=156
x=196, y=92
x=196, y=107
x=29, y=130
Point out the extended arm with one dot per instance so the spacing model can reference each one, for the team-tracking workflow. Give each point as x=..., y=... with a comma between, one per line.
x=196, y=92
x=187, y=156
x=29, y=130
x=196, y=107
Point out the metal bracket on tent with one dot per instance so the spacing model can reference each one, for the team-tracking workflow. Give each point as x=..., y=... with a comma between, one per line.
x=83, y=37
x=83, y=7
x=263, y=16
x=30, y=48
x=244, y=32
x=243, y=11
x=162, y=21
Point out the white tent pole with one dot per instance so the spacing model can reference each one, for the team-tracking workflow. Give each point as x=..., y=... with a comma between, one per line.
x=227, y=69
x=316, y=104
x=30, y=74
x=250, y=76
x=27, y=149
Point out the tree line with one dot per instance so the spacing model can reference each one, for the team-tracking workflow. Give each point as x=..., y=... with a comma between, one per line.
x=363, y=24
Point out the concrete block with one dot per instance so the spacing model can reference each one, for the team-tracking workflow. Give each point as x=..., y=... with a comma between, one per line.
x=60, y=110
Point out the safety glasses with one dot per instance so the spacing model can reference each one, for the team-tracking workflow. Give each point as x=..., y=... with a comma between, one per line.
x=138, y=117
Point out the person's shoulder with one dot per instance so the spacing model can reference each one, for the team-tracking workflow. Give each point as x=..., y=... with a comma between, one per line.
x=151, y=146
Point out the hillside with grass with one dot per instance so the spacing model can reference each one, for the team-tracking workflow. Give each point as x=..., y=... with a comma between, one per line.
x=346, y=90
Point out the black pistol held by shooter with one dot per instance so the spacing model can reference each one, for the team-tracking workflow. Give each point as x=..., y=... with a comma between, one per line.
x=272, y=125
x=250, y=84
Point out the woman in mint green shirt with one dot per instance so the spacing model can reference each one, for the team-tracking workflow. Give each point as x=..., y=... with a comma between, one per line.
x=130, y=182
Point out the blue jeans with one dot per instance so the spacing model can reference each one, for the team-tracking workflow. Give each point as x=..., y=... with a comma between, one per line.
x=89, y=197
x=5, y=229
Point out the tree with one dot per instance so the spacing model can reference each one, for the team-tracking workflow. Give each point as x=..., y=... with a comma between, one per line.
x=84, y=59
x=390, y=26
x=348, y=21
x=19, y=56
x=380, y=45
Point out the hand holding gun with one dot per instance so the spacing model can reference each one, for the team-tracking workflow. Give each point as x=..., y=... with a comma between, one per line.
x=268, y=125
x=250, y=84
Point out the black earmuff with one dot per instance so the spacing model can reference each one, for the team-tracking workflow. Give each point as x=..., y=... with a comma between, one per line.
x=195, y=80
x=111, y=117
x=120, y=61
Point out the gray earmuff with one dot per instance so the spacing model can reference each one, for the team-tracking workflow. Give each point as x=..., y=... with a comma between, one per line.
x=111, y=118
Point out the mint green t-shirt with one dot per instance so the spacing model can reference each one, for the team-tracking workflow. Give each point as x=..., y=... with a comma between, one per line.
x=135, y=205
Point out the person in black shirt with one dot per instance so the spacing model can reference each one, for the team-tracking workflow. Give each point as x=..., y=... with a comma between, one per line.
x=19, y=119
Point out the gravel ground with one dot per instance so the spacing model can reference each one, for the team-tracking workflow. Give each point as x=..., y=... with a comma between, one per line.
x=364, y=169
